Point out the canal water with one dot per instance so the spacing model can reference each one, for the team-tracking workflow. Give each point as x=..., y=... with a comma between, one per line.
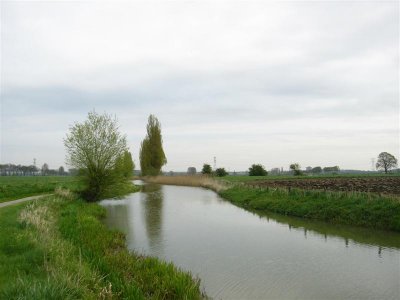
x=238, y=254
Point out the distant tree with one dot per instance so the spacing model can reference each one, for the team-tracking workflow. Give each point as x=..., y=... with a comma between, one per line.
x=191, y=171
x=45, y=169
x=61, y=170
x=94, y=147
x=124, y=166
x=296, y=169
x=152, y=156
x=206, y=169
x=316, y=170
x=220, y=172
x=24, y=170
x=257, y=170
x=52, y=172
x=331, y=169
x=33, y=170
x=386, y=162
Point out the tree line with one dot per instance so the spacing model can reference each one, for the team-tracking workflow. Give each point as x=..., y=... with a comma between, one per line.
x=31, y=170
x=385, y=162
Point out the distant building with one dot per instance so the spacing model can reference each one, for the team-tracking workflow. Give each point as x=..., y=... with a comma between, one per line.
x=308, y=169
x=191, y=171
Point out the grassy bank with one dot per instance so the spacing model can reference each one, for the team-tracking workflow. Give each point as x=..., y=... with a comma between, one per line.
x=16, y=187
x=58, y=248
x=359, y=209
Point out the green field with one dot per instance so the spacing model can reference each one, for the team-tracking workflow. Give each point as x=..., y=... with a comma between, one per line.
x=16, y=187
x=246, y=178
x=58, y=248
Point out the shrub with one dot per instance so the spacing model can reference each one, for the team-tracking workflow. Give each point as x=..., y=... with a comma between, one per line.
x=257, y=170
x=220, y=172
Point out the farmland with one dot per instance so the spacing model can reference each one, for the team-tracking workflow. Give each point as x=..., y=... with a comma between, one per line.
x=15, y=187
x=384, y=185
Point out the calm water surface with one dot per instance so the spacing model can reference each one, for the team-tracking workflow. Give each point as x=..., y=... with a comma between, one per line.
x=241, y=255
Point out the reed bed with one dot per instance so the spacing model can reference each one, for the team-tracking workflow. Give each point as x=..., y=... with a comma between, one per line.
x=197, y=181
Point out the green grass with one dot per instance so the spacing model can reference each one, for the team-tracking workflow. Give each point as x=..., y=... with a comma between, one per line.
x=16, y=187
x=58, y=248
x=359, y=209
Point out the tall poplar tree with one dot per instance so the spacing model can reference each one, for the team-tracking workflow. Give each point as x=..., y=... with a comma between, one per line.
x=152, y=156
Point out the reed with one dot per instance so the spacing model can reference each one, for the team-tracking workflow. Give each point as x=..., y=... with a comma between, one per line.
x=196, y=181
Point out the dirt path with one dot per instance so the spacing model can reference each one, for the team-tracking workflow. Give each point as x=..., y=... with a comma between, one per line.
x=4, y=204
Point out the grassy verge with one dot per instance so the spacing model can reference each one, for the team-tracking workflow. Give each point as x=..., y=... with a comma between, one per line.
x=16, y=187
x=359, y=209
x=58, y=248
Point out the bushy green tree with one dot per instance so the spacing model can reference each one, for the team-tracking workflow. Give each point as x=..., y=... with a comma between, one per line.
x=125, y=165
x=206, y=169
x=152, y=156
x=257, y=170
x=220, y=172
x=94, y=147
x=386, y=162
x=296, y=169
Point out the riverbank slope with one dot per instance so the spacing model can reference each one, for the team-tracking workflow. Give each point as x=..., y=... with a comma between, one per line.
x=58, y=248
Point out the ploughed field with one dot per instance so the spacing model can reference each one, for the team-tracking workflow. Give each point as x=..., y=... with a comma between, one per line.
x=384, y=185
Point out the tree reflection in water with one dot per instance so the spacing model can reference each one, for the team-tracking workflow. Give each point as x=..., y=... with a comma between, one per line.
x=153, y=213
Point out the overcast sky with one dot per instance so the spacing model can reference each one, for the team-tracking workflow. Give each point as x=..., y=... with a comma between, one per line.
x=248, y=82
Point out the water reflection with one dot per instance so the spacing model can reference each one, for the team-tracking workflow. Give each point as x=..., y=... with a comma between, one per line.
x=359, y=235
x=152, y=207
x=120, y=217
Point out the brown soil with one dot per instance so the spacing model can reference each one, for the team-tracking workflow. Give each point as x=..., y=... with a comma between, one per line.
x=384, y=185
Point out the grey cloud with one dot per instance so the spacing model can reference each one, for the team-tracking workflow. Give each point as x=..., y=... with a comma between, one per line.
x=313, y=74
